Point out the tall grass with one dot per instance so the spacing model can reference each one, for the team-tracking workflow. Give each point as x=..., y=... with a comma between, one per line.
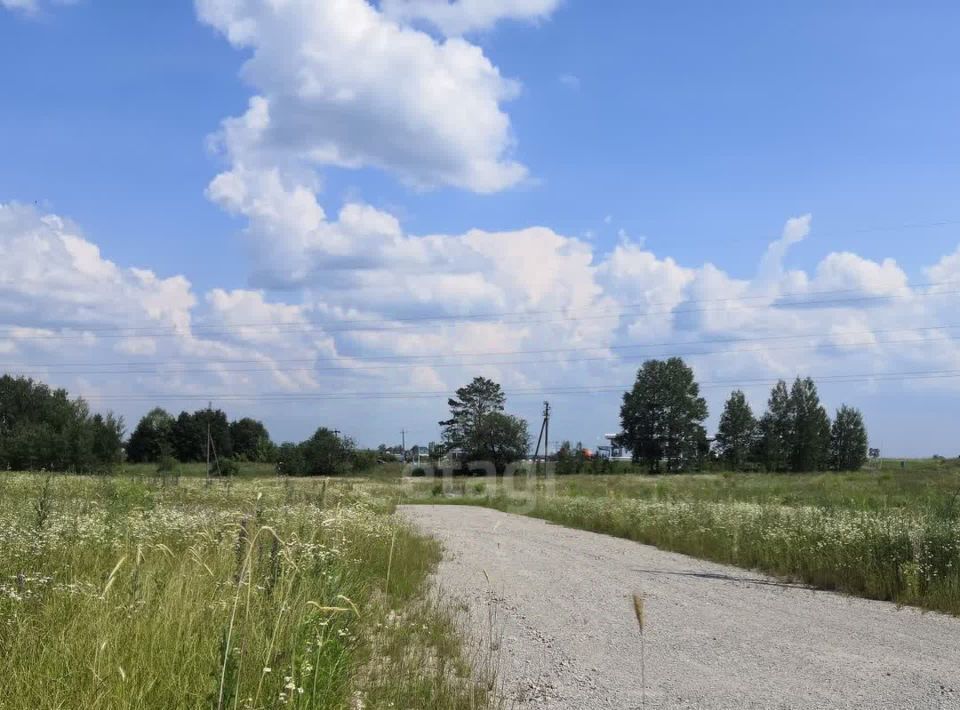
x=245, y=594
x=892, y=537
x=899, y=556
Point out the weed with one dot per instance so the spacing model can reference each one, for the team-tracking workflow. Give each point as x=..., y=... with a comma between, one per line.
x=136, y=594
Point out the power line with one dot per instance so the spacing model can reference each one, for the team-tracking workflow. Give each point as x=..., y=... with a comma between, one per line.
x=580, y=390
x=396, y=323
x=269, y=363
x=539, y=362
x=348, y=366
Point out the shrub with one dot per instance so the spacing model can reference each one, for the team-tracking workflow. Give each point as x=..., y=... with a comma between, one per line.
x=229, y=467
x=167, y=464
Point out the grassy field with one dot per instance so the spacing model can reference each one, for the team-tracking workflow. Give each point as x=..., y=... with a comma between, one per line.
x=891, y=535
x=136, y=591
x=117, y=592
x=245, y=469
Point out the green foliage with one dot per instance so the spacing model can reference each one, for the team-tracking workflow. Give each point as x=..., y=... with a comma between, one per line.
x=776, y=430
x=185, y=437
x=811, y=428
x=189, y=438
x=500, y=438
x=152, y=438
x=327, y=454
x=473, y=402
x=167, y=464
x=662, y=417
x=737, y=434
x=251, y=440
x=481, y=430
x=228, y=467
x=363, y=460
x=848, y=440
x=795, y=433
x=219, y=427
x=42, y=428
x=570, y=459
x=290, y=459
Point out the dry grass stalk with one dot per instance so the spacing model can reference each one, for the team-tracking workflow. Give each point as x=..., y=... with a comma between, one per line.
x=638, y=612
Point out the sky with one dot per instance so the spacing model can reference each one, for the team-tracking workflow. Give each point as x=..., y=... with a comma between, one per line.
x=336, y=212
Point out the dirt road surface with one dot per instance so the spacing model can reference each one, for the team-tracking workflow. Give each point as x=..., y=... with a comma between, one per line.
x=552, y=607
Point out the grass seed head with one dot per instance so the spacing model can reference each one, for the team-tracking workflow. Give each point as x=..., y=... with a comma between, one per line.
x=638, y=609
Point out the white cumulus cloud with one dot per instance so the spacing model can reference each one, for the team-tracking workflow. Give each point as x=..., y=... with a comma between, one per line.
x=341, y=83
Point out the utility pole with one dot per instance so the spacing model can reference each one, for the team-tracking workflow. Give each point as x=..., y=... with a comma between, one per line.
x=403, y=444
x=209, y=410
x=544, y=437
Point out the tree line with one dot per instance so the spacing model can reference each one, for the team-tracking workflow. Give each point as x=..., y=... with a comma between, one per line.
x=43, y=428
x=160, y=438
x=160, y=435
x=661, y=420
x=662, y=424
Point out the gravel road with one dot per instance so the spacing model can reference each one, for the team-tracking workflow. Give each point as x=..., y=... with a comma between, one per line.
x=554, y=605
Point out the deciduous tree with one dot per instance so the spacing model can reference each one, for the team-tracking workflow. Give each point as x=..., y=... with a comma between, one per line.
x=776, y=430
x=811, y=428
x=152, y=439
x=737, y=433
x=472, y=403
x=479, y=427
x=848, y=440
x=662, y=416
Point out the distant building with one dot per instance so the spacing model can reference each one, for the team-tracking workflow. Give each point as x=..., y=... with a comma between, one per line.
x=453, y=457
x=613, y=451
x=419, y=454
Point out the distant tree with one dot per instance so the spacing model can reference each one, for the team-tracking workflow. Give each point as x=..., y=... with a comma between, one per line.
x=326, y=454
x=250, y=439
x=776, y=430
x=570, y=458
x=500, y=438
x=41, y=428
x=479, y=427
x=737, y=433
x=811, y=428
x=363, y=460
x=290, y=460
x=662, y=416
x=472, y=403
x=189, y=437
x=848, y=440
x=152, y=439
x=107, y=439
x=219, y=430
x=565, y=458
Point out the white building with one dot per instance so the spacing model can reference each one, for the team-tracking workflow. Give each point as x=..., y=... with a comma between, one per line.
x=613, y=451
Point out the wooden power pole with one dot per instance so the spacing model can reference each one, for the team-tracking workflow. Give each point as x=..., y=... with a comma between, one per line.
x=209, y=410
x=545, y=438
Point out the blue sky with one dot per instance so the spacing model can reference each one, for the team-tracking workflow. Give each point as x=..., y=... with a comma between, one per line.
x=682, y=133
